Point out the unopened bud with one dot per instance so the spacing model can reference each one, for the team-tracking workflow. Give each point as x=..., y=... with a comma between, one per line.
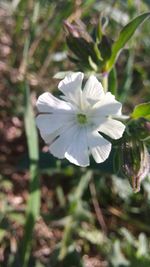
x=77, y=30
x=147, y=126
x=135, y=161
x=85, y=49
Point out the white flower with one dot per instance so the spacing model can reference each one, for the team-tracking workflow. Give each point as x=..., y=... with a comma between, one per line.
x=71, y=126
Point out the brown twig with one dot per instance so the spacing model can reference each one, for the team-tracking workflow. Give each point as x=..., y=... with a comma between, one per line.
x=97, y=208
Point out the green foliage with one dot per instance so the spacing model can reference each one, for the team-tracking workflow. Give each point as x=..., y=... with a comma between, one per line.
x=117, y=257
x=100, y=54
x=77, y=214
x=112, y=81
x=33, y=207
x=124, y=37
x=141, y=111
x=125, y=87
x=68, y=231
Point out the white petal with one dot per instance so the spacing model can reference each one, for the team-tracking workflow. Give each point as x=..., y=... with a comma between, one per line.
x=61, y=144
x=99, y=147
x=112, y=128
x=49, y=103
x=77, y=152
x=49, y=123
x=71, y=87
x=93, y=90
x=49, y=138
x=107, y=106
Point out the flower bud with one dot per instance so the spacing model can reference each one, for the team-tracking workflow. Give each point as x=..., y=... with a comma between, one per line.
x=87, y=51
x=77, y=30
x=82, y=46
x=135, y=161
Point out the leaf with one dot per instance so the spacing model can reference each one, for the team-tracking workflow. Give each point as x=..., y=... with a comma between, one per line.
x=129, y=237
x=124, y=37
x=94, y=236
x=17, y=217
x=117, y=258
x=3, y=233
x=34, y=197
x=141, y=111
x=143, y=247
x=39, y=264
x=83, y=184
x=112, y=82
x=128, y=77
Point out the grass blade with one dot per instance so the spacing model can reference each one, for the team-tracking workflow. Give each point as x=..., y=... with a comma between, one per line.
x=34, y=197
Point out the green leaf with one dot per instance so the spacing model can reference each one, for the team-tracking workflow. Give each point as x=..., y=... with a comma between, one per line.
x=128, y=77
x=117, y=258
x=141, y=111
x=83, y=184
x=94, y=236
x=143, y=246
x=17, y=217
x=124, y=37
x=3, y=233
x=34, y=198
x=112, y=82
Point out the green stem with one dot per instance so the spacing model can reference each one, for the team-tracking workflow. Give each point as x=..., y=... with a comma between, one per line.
x=105, y=82
x=66, y=239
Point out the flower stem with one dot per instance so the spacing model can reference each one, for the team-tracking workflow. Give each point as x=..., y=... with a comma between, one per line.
x=66, y=239
x=105, y=82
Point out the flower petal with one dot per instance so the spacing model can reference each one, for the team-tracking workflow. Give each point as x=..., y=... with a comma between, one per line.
x=49, y=103
x=70, y=86
x=93, y=90
x=112, y=128
x=99, y=147
x=77, y=152
x=61, y=144
x=107, y=106
x=49, y=138
x=49, y=123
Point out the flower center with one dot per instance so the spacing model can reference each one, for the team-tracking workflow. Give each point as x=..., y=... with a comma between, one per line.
x=81, y=118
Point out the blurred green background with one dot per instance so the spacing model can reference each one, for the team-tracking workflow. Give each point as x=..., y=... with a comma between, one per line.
x=51, y=212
